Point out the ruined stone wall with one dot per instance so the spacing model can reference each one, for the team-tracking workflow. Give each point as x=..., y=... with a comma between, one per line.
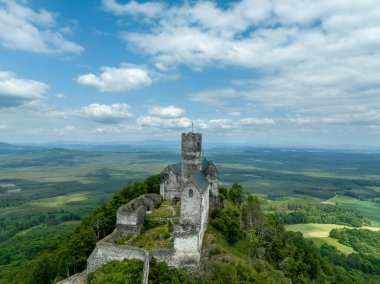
x=156, y=198
x=213, y=178
x=186, y=244
x=105, y=252
x=205, y=211
x=166, y=255
x=170, y=186
x=162, y=189
x=131, y=222
x=215, y=187
x=191, y=154
x=130, y=217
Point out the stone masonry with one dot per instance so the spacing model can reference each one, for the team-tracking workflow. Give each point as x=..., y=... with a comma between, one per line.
x=191, y=181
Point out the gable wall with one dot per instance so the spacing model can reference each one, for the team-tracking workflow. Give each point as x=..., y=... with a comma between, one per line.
x=190, y=206
x=170, y=186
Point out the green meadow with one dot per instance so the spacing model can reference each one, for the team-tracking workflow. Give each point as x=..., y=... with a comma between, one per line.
x=312, y=230
x=319, y=234
x=332, y=242
x=369, y=209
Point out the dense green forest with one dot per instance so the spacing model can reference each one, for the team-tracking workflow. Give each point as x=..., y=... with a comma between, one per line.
x=363, y=241
x=242, y=244
x=322, y=213
x=68, y=255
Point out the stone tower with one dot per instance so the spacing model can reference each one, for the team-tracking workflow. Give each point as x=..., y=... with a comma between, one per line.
x=191, y=154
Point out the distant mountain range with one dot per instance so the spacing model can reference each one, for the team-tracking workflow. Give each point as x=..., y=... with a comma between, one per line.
x=6, y=148
x=170, y=145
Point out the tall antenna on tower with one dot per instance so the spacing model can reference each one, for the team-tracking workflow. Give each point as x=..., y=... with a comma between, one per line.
x=192, y=127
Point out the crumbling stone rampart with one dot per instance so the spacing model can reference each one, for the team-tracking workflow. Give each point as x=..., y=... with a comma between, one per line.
x=166, y=255
x=105, y=252
x=130, y=217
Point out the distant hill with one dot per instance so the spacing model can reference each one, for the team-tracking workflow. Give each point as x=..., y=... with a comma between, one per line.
x=9, y=148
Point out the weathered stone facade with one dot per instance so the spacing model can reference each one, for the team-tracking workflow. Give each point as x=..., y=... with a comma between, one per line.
x=170, y=186
x=212, y=176
x=186, y=181
x=192, y=185
x=105, y=252
x=191, y=154
x=130, y=217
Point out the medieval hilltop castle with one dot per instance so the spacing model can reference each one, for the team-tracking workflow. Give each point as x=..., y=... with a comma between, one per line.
x=190, y=182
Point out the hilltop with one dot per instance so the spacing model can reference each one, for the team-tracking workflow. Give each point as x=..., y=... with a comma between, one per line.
x=242, y=244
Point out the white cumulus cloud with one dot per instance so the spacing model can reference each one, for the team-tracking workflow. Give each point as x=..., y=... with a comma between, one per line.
x=26, y=29
x=155, y=121
x=108, y=114
x=15, y=91
x=315, y=57
x=120, y=79
x=257, y=121
x=169, y=111
x=234, y=113
x=150, y=9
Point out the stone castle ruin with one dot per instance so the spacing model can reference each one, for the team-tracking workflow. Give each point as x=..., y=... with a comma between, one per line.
x=190, y=183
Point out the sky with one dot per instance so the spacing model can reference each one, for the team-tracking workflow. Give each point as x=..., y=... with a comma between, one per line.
x=251, y=72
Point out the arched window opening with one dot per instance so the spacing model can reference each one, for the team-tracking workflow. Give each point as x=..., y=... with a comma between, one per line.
x=191, y=193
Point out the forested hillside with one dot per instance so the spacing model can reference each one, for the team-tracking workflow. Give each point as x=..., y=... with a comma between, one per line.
x=242, y=244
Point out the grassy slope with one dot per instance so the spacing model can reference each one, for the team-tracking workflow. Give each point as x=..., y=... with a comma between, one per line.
x=333, y=242
x=314, y=230
x=319, y=234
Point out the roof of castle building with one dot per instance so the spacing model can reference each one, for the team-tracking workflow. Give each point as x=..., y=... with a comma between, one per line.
x=210, y=166
x=199, y=177
x=177, y=167
x=201, y=180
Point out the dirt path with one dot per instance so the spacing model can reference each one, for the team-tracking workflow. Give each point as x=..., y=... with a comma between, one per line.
x=329, y=201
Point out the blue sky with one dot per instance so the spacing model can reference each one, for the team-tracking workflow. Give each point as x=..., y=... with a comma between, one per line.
x=254, y=72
